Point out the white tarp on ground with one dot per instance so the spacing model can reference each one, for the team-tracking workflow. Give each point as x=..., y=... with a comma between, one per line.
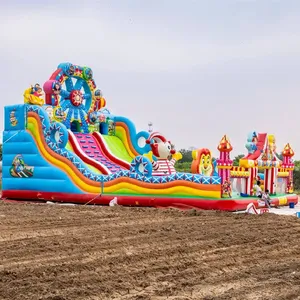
x=283, y=210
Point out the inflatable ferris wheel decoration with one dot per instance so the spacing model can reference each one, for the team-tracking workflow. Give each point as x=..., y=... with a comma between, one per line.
x=77, y=91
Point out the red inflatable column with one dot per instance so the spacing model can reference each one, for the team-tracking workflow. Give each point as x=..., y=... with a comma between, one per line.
x=224, y=162
x=288, y=165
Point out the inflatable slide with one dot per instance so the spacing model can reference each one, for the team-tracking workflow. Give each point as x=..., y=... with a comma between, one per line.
x=69, y=147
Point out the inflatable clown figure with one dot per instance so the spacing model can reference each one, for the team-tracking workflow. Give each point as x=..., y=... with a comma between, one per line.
x=162, y=150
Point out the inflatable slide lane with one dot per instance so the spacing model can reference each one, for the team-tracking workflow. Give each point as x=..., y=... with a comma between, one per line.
x=91, y=149
x=125, y=144
x=117, y=147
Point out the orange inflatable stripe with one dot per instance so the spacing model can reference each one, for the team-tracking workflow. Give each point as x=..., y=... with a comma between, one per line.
x=124, y=126
x=203, y=187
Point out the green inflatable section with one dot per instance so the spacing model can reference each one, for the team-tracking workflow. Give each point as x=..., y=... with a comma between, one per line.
x=116, y=146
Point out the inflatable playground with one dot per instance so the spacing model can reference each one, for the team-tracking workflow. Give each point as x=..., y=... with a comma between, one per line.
x=64, y=145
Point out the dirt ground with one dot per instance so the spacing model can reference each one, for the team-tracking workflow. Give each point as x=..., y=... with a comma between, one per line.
x=58, y=252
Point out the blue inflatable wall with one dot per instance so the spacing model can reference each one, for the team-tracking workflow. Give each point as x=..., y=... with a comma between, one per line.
x=23, y=166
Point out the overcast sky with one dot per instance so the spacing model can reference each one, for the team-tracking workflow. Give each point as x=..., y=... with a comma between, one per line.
x=196, y=69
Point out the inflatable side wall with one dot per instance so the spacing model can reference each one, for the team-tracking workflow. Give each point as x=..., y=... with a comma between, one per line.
x=24, y=169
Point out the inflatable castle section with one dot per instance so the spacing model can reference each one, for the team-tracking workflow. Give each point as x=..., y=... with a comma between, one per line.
x=63, y=144
x=263, y=164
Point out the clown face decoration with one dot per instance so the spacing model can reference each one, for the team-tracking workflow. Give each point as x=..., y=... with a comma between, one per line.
x=161, y=148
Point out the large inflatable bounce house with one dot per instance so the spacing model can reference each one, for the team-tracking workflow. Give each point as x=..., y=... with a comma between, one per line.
x=64, y=145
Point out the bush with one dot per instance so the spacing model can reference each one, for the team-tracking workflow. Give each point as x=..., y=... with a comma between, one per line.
x=183, y=167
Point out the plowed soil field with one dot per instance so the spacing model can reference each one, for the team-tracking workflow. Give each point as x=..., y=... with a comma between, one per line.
x=58, y=252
